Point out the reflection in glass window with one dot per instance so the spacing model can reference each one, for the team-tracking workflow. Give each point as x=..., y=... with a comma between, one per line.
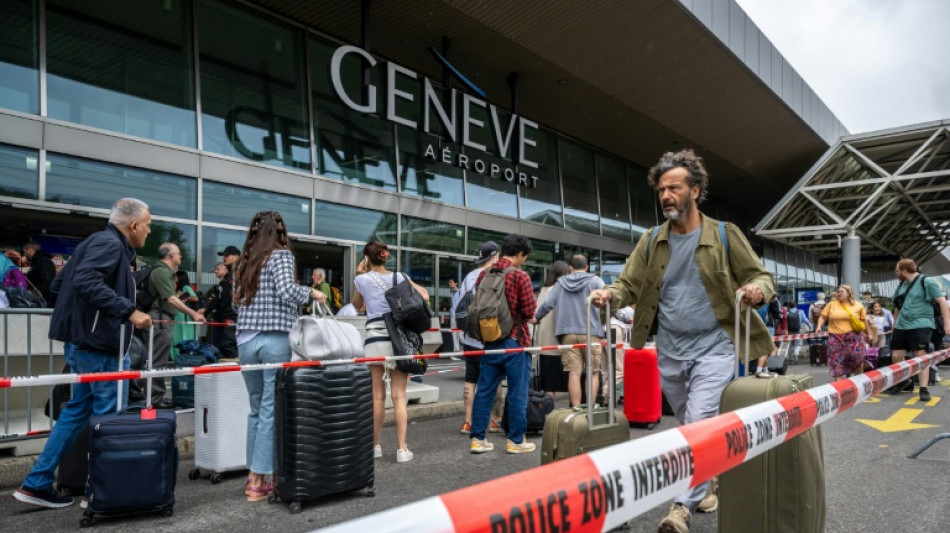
x=122, y=66
x=580, y=187
x=422, y=171
x=253, y=88
x=421, y=269
x=184, y=235
x=335, y=221
x=543, y=203
x=542, y=252
x=71, y=180
x=431, y=235
x=643, y=200
x=19, y=59
x=613, y=265
x=227, y=204
x=488, y=189
x=614, y=211
x=213, y=242
x=477, y=236
x=19, y=175
x=351, y=146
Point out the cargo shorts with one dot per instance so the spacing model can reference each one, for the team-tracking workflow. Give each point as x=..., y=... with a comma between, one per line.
x=575, y=359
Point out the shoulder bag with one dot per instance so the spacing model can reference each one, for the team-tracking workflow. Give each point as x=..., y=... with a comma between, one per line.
x=407, y=306
x=856, y=324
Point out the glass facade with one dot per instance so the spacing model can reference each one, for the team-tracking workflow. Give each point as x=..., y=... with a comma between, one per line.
x=19, y=175
x=337, y=221
x=213, y=241
x=19, y=56
x=580, y=186
x=227, y=204
x=184, y=235
x=122, y=66
x=614, y=211
x=422, y=176
x=431, y=235
x=543, y=203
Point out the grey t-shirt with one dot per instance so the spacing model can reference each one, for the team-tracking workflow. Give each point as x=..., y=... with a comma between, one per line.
x=688, y=328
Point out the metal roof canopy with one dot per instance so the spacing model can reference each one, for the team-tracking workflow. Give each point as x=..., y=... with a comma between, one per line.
x=891, y=188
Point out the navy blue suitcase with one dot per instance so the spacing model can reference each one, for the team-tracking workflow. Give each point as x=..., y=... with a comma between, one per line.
x=133, y=464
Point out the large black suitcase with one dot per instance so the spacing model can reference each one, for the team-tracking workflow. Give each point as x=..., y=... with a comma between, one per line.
x=540, y=406
x=324, y=431
x=133, y=463
x=818, y=354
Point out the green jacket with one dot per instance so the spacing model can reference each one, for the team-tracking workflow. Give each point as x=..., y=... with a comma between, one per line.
x=642, y=277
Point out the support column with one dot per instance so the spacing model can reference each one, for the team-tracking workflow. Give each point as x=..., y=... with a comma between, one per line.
x=851, y=263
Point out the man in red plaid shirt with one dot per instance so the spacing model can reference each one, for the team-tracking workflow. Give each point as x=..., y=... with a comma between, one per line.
x=516, y=366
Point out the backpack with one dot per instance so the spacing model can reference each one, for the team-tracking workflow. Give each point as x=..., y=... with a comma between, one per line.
x=461, y=311
x=815, y=312
x=143, y=296
x=488, y=318
x=794, y=320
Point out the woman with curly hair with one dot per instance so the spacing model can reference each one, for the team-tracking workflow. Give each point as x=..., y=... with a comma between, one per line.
x=846, y=346
x=267, y=297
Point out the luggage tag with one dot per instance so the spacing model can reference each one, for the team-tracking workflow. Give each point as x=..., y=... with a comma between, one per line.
x=148, y=413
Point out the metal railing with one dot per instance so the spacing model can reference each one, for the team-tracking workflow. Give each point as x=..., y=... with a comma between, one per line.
x=27, y=350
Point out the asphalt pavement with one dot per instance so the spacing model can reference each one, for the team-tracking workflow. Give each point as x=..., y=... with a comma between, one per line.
x=871, y=484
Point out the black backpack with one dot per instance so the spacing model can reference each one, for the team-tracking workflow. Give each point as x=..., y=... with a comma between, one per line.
x=143, y=296
x=794, y=318
x=461, y=310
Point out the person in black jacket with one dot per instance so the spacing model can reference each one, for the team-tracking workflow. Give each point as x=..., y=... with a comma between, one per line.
x=42, y=270
x=95, y=298
x=220, y=306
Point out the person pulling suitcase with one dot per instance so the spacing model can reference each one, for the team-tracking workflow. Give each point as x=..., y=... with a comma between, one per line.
x=675, y=276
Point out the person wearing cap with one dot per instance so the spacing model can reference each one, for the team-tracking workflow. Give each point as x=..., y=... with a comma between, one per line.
x=487, y=256
x=219, y=303
x=814, y=310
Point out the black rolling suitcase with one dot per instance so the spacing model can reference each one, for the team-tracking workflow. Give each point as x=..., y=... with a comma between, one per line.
x=324, y=431
x=818, y=354
x=133, y=461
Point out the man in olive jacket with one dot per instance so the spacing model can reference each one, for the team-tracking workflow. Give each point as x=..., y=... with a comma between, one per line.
x=683, y=277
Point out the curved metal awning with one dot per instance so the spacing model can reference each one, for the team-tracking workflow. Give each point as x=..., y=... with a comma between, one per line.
x=891, y=188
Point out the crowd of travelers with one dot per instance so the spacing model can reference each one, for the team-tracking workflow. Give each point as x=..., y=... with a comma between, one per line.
x=669, y=286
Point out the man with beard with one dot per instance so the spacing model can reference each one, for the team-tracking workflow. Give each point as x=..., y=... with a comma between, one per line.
x=683, y=277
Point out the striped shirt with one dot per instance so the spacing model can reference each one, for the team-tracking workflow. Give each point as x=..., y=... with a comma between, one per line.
x=274, y=307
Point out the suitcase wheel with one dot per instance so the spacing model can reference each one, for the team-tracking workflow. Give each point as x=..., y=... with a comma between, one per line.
x=273, y=498
x=194, y=474
x=168, y=511
x=295, y=507
x=370, y=491
x=217, y=478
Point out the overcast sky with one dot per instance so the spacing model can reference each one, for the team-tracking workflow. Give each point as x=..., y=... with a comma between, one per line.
x=875, y=63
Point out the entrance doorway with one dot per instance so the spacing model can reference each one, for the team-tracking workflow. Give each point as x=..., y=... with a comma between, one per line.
x=332, y=258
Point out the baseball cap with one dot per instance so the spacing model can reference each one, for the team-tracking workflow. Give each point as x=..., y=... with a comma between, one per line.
x=486, y=251
x=230, y=250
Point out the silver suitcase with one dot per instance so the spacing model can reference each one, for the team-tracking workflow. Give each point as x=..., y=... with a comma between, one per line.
x=221, y=409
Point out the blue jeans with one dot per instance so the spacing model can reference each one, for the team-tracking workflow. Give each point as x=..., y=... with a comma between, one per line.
x=266, y=347
x=89, y=399
x=517, y=367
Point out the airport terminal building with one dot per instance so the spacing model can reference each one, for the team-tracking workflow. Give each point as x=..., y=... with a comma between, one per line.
x=433, y=125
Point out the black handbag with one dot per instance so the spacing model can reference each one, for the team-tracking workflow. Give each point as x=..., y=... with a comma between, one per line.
x=405, y=342
x=407, y=306
x=24, y=299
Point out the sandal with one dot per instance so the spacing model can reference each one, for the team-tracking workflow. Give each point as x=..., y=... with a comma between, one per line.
x=261, y=492
x=247, y=487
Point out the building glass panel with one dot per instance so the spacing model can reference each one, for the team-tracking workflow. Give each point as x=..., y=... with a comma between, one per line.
x=122, y=66
x=228, y=204
x=580, y=187
x=643, y=200
x=19, y=57
x=421, y=175
x=420, y=267
x=183, y=235
x=488, y=187
x=19, y=174
x=477, y=236
x=542, y=252
x=614, y=210
x=351, y=146
x=613, y=266
x=337, y=221
x=71, y=180
x=543, y=203
x=431, y=235
x=214, y=241
x=593, y=256
x=253, y=87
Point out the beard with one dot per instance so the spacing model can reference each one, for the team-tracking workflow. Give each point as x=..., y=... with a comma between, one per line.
x=674, y=212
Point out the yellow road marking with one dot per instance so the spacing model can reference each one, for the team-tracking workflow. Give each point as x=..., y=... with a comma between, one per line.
x=934, y=400
x=902, y=420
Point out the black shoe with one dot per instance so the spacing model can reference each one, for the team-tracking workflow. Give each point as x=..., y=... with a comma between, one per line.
x=43, y=498
x=164, y=403
x=924, y=394
x=908, y=386
x=417, y=379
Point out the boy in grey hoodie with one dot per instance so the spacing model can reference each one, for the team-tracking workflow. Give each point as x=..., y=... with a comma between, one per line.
x=569, y=295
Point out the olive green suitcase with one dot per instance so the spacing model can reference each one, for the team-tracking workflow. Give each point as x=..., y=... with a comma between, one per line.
x=574, y=431
x=782, y=490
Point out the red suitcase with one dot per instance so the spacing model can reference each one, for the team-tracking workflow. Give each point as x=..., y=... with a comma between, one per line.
x=642, y=398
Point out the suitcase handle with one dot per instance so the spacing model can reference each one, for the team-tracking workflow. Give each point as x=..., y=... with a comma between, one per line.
x=612, y=386
x=748, y=332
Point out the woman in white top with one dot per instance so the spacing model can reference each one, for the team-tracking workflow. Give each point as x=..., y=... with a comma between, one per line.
x=371, y=285
x=878, y=319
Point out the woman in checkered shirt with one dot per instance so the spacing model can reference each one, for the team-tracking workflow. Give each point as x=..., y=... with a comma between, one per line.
x=267, y=296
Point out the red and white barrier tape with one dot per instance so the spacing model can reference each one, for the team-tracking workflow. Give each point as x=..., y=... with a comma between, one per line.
x=21, y=436
x=604, y=489
x=232, y=324
x=56, y=379
x=799, y=336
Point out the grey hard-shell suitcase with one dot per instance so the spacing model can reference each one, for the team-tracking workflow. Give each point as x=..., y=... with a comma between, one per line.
x=783, y=489
x=221, y=410
x=585, y=428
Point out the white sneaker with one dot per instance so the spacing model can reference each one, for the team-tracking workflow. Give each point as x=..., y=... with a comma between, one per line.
x=377, y=451
x=764, y=374
x=403, y=456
